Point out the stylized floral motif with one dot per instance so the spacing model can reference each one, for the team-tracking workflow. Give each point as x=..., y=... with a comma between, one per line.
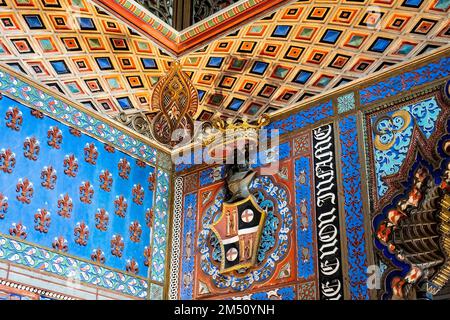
x=81, y=234
x=86, y=192
x=60, y=244
x=14, y=119
x=141, y=164
x=31, y=148
x=42, y=219
x=120, y=205
x=149, y=217
x=55, y=137
x=147, y=256
x=71, y=165
x=18, y=230
x=75, y=132
x=138, y=194
x=124, y=168
x=135, y=231
x=65, y=206
x=98, y=256
x=48, y=176
x=109, y=148
x=37, y=114
x=117, y=245
x=90, y=153
x=101, y=219
x=106, y=180
x=25, y=189
x=3, y=205
x=7, y=160
x=151, y=181
x=132, y=266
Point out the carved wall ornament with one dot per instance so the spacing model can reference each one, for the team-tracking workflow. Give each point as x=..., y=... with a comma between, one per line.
x=176, y=101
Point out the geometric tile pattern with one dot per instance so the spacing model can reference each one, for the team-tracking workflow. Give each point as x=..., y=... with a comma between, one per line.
x=310, y=47
x=79, y=50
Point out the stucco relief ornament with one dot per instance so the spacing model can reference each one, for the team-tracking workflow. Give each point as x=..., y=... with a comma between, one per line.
x=241, y=222
x=175, y=100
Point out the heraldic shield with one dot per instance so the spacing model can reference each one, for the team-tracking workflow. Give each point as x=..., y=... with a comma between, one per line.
x=238, y=230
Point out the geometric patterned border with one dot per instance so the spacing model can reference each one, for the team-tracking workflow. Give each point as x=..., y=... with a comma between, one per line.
x=25, y=254
x=176, y=241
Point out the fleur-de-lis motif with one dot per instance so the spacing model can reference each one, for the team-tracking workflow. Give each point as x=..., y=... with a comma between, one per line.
x=86, y=192
x=98, y=256
x=65, y=206
x=55, y=137
x=141, y=163
x=101, y=219
x=90, y=153
x=14, y=119
x=149, y=217
x=81, y=234
x=48, y=176
x=138, y=194
x=60, y=244
x=31, y=148
x=109, y=148
x=42, y=219
x=121, y=206
x=132, y=266
x=3, y=206
x=151, y=181
x=75, y=132
x=18, y=230
x=106, y=180
x=135, y=231
x=70, y=165
x=124, y=168
x=7, y=160
x=147, y=256
x=37, y=114
x=117, y=245
x=26, y=190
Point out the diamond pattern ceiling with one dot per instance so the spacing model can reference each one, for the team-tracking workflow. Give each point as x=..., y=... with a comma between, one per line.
x=301, y=50
x=80, y=51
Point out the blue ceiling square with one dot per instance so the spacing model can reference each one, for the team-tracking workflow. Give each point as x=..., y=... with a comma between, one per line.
x=215, y=62
x=86, y=24
x=149, y=63
x=281, y=31
x=331, y=36
x=60, y=66
x=104, y=63
x=125, y=103
x=235, y=104
x=34, y=21
x=259, y=68
x=380, y=44
x=302, y=77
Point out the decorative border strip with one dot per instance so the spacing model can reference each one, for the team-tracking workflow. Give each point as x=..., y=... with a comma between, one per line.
x=41, y=292
x=45, y=260
x=176, y=241
x=354, y=214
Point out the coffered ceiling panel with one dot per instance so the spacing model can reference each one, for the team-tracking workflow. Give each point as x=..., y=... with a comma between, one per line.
x=310, y=47
x=79, y=50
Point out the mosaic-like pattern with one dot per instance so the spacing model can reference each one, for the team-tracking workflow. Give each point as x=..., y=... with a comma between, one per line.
x=310, y=47
x=161, y=220
x=77, y=49
x=71, y=193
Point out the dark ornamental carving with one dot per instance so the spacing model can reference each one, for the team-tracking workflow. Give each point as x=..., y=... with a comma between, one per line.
x=176, y=101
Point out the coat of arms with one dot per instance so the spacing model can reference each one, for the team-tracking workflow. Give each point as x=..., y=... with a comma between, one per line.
x=239, y=231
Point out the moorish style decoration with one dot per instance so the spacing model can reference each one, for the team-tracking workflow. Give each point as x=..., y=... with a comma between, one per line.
x=176, y=101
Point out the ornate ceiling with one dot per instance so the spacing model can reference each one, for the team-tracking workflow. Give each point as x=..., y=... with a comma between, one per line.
x=302, y=49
